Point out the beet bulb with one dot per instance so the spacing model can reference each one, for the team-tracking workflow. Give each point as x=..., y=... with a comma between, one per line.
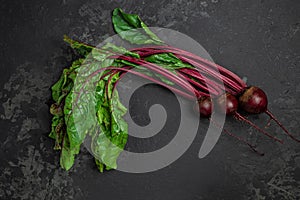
x=204, y=106
x=254, y=101
x=230, y=102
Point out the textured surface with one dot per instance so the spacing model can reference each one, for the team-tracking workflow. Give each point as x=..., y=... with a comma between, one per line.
x=257, y=39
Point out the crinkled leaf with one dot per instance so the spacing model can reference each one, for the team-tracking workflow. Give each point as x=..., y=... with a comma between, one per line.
x=112, y=137
x=79, y=114
x=56, y=88
x=67, y=155
x=59, y=92
x=63, y=86
x=131, y=28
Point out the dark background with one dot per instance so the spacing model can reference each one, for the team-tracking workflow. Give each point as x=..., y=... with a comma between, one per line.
x=256, y=39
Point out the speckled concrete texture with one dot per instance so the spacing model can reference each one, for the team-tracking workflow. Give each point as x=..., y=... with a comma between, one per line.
x=256, y=39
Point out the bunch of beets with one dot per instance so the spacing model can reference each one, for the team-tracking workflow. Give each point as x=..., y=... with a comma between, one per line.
x=216, y=89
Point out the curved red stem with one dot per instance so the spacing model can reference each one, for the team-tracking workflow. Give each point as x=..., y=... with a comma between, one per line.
x=281, y=126
x=239, y=116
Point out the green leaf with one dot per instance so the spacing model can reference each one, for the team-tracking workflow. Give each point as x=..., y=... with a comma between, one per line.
x=67, y=154
x=80, y=106
x=63, y=86
x=59, y=92
x=56, y=88
x=167, y=61
x=55, y=122
x=131, y=28
x=77, y=115
x=112, y=136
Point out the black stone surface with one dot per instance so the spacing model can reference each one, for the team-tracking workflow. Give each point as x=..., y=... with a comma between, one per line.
x=257, y=39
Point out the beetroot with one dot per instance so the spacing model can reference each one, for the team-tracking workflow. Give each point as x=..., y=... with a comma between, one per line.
x=204, y=106
x=253, y=100
x=230, y=102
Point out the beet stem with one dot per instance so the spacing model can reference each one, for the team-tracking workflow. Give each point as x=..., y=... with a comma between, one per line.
x=281, y=126
x=195, y=74
x=199, y=85
x=214, y=73
x=188, y=96
x=239, y=116
x=166, y=73
x=225, y=74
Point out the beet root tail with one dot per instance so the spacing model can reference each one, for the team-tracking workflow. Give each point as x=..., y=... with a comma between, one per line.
x=253, y=147
x=281, y=126
x=242, y=118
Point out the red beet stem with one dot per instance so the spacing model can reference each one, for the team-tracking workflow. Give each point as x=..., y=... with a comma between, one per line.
x=281, y=126
x=113, y=72
x=195, y=74
x=122, y=73
x=226, y=75
x=156, y=81
x=88, y=79
x=166, y=73
x=223, y=70
x=162, y=49
x=240, y=117
x=199, y=85
x=215, y=74
x=208, y=70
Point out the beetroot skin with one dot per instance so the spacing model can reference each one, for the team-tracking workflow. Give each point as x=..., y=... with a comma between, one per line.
x=254, y=100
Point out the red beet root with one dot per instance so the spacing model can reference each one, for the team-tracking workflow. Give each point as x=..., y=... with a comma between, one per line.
x=204, y=106
x=253, y=100
x=230, y=102
x=231, y=106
